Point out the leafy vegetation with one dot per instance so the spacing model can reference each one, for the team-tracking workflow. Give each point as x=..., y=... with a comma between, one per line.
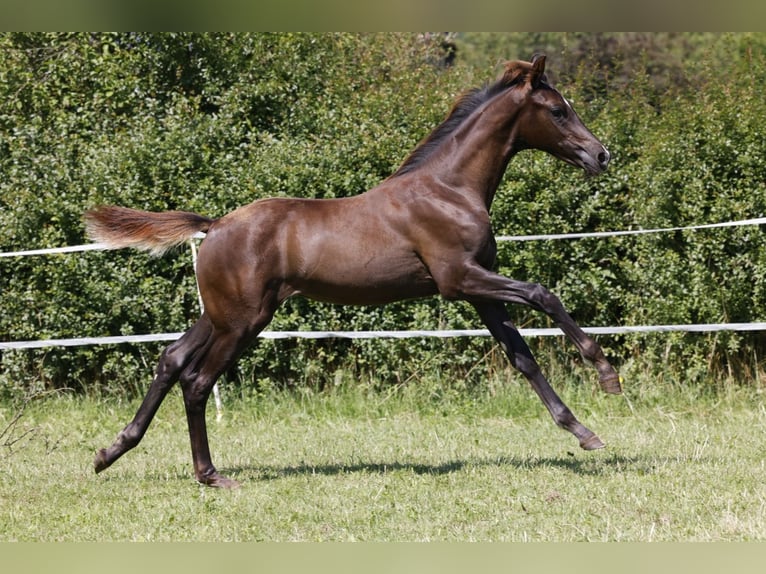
x=207, y=122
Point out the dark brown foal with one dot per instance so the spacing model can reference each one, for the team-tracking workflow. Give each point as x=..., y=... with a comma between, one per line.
x=423, y=231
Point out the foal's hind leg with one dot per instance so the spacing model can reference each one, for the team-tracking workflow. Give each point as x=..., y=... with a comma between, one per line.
x=197, y=382
x=175, y=357
x=199, y=377
x=496, y=319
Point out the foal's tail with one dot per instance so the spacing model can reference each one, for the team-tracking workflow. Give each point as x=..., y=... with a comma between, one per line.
x=156, y=232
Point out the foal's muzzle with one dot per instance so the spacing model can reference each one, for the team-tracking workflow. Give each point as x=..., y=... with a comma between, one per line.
x=593, y=161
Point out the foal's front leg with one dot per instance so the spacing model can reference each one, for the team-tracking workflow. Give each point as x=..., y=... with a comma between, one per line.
x=479, y=283
x=496, y=318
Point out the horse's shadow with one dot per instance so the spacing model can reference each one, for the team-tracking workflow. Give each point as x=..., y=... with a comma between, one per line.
x=571, y=463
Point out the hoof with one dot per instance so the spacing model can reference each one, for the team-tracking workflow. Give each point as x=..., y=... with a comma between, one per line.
x=592, y=443
x=218, y=481
x=612, y=384
x=100, y=462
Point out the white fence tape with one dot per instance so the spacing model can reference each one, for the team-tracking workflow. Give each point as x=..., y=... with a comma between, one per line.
x=54, y=250
x=414, y=334
x=68, y=249
x=756, y=221
x=701, y=328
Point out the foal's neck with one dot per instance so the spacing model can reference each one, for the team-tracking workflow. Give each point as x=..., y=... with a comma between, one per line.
x=474, y=159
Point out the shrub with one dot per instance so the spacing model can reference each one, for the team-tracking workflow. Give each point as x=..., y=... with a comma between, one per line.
x=208, y=122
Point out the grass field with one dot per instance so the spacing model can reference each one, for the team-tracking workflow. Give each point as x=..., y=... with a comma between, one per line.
x=407, y=465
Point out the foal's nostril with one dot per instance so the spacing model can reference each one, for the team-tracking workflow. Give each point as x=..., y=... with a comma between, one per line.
x=603, y=158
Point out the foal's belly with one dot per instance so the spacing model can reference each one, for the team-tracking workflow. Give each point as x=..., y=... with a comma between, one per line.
x=379, y=295
x=366, y=282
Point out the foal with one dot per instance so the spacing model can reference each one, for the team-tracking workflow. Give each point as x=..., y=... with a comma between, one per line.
x=423, y=231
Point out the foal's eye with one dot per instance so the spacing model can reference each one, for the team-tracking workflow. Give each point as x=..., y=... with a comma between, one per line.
x=558, y=112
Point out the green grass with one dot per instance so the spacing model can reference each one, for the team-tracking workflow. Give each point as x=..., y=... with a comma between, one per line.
x=417, y=463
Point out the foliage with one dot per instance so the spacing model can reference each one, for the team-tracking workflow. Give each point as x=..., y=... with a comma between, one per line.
x=208, y=122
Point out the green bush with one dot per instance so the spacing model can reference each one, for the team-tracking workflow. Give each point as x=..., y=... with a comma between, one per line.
x=208, y=122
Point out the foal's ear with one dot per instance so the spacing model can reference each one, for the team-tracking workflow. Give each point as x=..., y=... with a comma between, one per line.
x=537, y=74
x=531, y=73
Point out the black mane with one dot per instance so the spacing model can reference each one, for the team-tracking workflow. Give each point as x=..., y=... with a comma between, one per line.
x=464, y=107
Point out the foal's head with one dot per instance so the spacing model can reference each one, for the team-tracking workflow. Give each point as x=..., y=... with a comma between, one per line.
x=549, y=123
